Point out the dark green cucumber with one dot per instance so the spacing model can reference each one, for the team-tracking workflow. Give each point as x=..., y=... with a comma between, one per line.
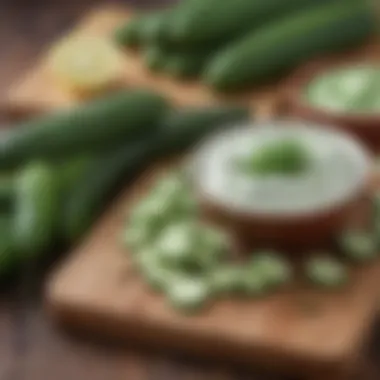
x=92, y=126
x=154, y=57
x=37, y=205
x=270, y=52
x=182, y=128
x=9, y=259
x=179, y=130
x=127, y=35
x=153, y=29
x=69, y=170
x=148, y=27
x=90, y=194
x=186, y=65
x=7, y=187
x=200, y=21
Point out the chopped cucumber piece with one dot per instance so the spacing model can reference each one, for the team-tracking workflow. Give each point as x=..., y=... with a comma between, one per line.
x=176, y=244
x=189, y=294
x=359, y=245
x=215, y=241
x=152, y=269
x=135, y=238
x=191, y=246
x=255, y=284
x=326, y=271
x=273, y=268
x=228, y=279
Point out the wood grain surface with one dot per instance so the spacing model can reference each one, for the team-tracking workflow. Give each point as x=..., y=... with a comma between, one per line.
x=32, y=349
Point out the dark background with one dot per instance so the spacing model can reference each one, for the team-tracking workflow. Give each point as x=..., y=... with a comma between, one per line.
x=30, y=348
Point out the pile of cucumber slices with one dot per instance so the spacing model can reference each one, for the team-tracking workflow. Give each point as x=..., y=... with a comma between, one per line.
x=189, y=261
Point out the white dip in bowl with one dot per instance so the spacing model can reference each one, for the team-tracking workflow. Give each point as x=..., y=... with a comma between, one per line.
x=339, y=168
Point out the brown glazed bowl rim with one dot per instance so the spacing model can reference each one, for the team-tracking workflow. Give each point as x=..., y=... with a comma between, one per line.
x=298, y=81
x=276, y=217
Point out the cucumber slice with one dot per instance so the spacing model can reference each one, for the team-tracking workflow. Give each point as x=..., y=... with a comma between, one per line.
x=359, y=245
x=255, y=284
x=326, y=271
x=135, y=238
x=272, y=268
x=189, y=294
x=176, y=245
x=228, y=279
x=149, y=215
x=154, y=272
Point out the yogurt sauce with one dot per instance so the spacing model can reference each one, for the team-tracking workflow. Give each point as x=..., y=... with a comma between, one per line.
x=338, y=169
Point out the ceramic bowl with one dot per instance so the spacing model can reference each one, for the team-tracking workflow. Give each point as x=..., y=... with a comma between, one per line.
x=364, y=126
x=250, y=222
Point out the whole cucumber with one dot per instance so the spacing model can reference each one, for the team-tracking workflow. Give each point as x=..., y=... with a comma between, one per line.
x=201, y=21
x=70, y=169
x=90, y=194
x=9, y=258
x=89, y=127
x=7, y=187
x=270, y=52
x=127, y=35
x=154, y=57
x=186, y=65
x=182, y=128
x=178, y=130
x=37, y=205
x=148, y=27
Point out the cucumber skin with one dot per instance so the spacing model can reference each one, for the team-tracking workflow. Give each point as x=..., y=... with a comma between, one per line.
x=183, y=128
x=270, y=52
x=9, y=258
x=178, y=131
x=145, y=28
x=87, y=128
x=88, y=197
x=186, y=65
x=201, y=21
x=127, y=35
x=154, y=57
x=37, y=205
x=7, y=187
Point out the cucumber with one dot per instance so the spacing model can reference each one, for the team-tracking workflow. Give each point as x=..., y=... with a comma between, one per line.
x=178, y=130
x=148, y=27
x=268, y=53
x=153, y=28
x=183, y=128
x=70, y=170
x=37, y=205
x=127, y=35
x=7, y=187
x=88, y=197
x=201, y=21
x=154, y=58
x=9, y=259
x=186, y=65
x=86, y=128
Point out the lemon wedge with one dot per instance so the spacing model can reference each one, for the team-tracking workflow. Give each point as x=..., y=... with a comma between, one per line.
x=86, y=64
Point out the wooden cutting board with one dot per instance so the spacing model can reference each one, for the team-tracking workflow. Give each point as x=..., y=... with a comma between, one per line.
x=36, y=92
x=97, y=289
x=303, y=331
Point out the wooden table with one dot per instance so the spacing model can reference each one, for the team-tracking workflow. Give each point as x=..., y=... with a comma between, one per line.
x=32, y=349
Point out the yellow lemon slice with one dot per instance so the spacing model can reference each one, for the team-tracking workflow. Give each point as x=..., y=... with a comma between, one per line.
x=85, y=64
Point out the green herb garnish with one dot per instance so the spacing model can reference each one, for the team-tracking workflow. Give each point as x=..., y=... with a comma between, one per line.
x=285, y=157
